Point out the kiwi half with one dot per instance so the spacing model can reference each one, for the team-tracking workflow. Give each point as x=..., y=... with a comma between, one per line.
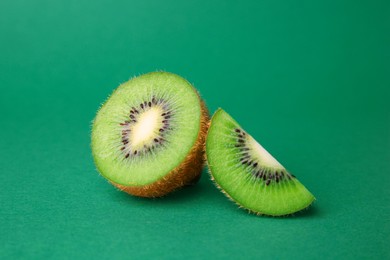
x=148, y=137
x=248, y=174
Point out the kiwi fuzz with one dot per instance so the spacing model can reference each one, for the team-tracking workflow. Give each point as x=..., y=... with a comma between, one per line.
x=187, y=173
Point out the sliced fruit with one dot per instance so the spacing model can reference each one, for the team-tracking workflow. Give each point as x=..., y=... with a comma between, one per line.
x=248, y=174
x=148, y=137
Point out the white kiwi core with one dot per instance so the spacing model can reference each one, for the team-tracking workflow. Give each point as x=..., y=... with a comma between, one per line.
x=264, y=157
x=145, y=128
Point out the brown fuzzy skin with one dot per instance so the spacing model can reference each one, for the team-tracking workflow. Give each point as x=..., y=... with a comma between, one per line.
x=187, y=173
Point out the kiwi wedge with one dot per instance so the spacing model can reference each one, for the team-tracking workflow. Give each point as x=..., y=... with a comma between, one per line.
x=247, y=174
x=148, y=137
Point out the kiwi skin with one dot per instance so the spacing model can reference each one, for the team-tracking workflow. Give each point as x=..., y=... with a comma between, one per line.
x=187, y=173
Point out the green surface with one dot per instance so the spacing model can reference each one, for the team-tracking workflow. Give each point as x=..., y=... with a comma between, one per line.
x=309, y=80
x=240, y=181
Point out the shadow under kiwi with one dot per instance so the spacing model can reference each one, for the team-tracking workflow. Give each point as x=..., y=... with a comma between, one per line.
x=181, y=195
x=204, y=191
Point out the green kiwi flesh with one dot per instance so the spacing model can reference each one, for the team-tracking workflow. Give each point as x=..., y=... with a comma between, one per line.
x=248, y=174
x=148, y=137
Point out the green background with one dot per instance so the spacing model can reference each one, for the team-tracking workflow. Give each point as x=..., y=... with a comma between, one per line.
x=309, y=79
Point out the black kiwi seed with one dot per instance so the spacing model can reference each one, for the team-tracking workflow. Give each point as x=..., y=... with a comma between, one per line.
x=255, y=164
x=268, y=182
x=238, y=130
x=261, y=174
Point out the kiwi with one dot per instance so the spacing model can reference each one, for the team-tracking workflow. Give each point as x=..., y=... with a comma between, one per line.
x=247, y=174
x=148, y=137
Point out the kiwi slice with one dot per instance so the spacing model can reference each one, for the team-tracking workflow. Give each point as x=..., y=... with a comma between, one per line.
x=248, y=174
x=148, y=137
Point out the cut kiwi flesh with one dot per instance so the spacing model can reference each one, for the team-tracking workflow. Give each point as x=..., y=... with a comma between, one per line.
x=248, y=174
x=148, y=137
